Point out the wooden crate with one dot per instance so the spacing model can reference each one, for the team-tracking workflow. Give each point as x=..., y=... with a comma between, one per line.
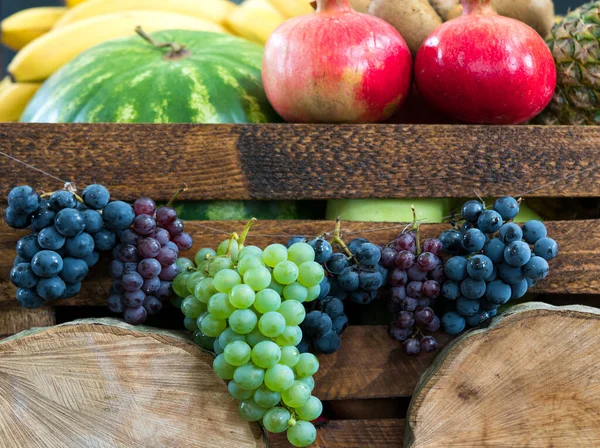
x=367, y=385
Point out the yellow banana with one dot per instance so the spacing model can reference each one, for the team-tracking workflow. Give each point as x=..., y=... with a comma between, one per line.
x=24, y=26
x=293, y=8
x=211, y=10
x=14, y=97
x=73, y=3
x=42, y=57
x=255, y=20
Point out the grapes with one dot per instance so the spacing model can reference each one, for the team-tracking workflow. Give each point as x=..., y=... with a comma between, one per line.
x=118, y=215
x=456, y=268
x=274, y=254
x=258, y=278
x=266, y=398
x=453, y=323
x=517, y=253
x=241, y=296
x=293, y=312
x=473, y=240
x=243, y=321
x=276, y=420
x=74, y=270
x=237, y=353
x=267, y=300
x=96, y=196
x=225, y=280
x=300, y=253
x=536, y=268
x=51, y=288
x=323, y=250
x=266, y=354
x=289, y=356
x=297, y=395
x=295, y=291
x=23, y=200
x=286, y=272
x=546, y=248
x=507, y=207
x=489, y=221
x=302, y=434
x=249, y=376
x=279, y=378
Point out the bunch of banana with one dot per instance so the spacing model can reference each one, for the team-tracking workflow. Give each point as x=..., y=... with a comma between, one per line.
x=14, y=97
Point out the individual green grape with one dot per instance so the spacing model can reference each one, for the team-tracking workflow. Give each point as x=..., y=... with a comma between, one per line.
x=250, y=411
x=253, y=251
x=222, y=249
x=307, y=365
x=285, y=272
x=223, y=369
x=310, y=273
x=296, y=395
x=309, y=381
x=313, y=293
x=266, y=398
x=176, y=301
x=237, y=353
x=178, y=284
x=279, y=378
x=249, y=262
x=289, y=355
x=243, y=321
x=192, y=307
x=301, y=253
x=271, y=324
x=276, y=286
x=203, y=254
x=212, y=326
x=255, y=337
x=192, y=280
x=295, y=291
x=184, y=264
x=274, y=254
x=226, y=279
x=266, y=354
x=239, y=393
x=200, y=318
x=258, y=278
x=292, y=335
x=267, y=300
x=204, y=290
x=276, y=420
x=190, y=324
x=228, y=336
x=302, y=434
x=217, y=347
x=242, y=296
x=293, y=312
x=249, y=376
x=219, y=306
x=203, y=341
x=311, y=410
x=218, y=264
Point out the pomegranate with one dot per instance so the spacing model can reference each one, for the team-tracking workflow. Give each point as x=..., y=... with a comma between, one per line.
x=336, y=66
x=485, y=68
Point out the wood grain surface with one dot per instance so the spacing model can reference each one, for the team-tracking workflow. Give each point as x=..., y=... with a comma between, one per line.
x=306, y=161
x=530, y=380
x=107, y=384
x=352, y=434
x=16, y=319
x=575, y=271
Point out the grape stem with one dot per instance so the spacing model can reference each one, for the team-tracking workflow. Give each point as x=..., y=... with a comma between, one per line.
x=337, y=239
x=177, y=193
x=245, y=232
x=234, y=236
x=417, y=229
x=68, y=187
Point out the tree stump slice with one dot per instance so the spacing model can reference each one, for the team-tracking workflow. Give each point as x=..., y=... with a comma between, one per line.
x=531, y=379
x=102, y=383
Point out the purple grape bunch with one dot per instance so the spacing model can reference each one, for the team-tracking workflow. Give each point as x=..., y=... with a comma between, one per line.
x=416, y=277
x=493, y=260
x=68, y=233
x=144, y=262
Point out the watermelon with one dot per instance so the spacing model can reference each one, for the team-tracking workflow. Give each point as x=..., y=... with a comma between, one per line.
x=215, y=78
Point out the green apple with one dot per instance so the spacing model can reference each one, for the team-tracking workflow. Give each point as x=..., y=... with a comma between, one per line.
x=389, y=210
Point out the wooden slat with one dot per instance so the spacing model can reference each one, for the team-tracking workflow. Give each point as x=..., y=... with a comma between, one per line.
x=16, y=319
x=352, y=434
x=307, y=161
x=575, y=271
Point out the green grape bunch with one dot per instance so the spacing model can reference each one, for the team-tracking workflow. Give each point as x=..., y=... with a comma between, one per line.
x=246, y=305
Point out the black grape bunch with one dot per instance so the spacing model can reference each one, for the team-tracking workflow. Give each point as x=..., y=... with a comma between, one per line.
x=68, y=233
x=494, y=260
x=145, y=260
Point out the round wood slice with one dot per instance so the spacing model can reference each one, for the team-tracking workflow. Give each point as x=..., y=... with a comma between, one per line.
x=532, y=379
x=103, y=383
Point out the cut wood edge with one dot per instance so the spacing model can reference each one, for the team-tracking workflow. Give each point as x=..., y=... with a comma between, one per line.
x=448, y=353
x=176, y=339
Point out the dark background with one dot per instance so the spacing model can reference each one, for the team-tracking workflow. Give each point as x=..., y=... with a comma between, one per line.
x=7, y=7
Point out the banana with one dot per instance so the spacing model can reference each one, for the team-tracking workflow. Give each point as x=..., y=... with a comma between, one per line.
x=211, y=10
x=292, y=8
x=255, y=20
x=24, y=26
x=42, y=57
x=14, y=97
x=73, y=3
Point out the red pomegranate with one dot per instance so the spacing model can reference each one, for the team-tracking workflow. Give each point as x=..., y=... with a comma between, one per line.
x=485, y=68
x=336, y=66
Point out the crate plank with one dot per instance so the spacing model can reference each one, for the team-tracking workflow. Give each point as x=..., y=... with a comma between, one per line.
x=575, y=271
x=307, y=161
x=352, y=434
x=16, y=319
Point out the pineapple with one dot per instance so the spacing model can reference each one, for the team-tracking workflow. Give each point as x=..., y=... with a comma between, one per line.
x=575, y=45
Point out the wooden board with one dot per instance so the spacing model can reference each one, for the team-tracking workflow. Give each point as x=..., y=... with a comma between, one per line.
x=352, y=434
x=307, y=161
x=106, y=384
x=530, y=380
x=16, y=319
x=575, y=271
